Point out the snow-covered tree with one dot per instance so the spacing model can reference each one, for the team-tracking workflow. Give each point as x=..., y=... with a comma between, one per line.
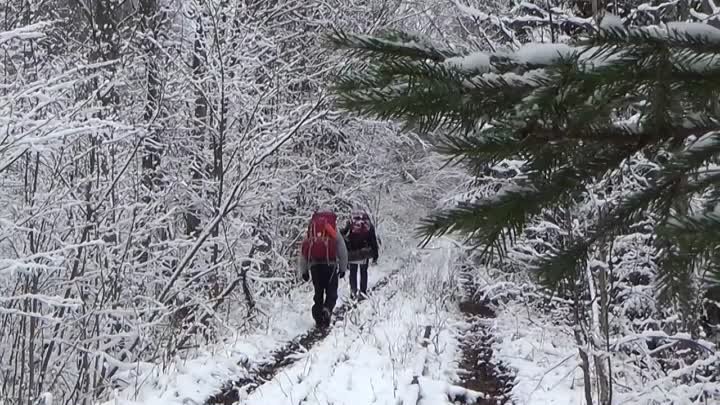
x=158, y=163
x=574, y=114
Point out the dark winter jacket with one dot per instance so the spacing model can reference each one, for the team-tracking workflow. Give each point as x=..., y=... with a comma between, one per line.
x=360, y=248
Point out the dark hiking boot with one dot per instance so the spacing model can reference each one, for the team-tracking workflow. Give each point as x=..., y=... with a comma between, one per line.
x=324, y=320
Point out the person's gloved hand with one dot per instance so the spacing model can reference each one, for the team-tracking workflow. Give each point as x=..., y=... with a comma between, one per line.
x=341, y=274
x=374, y=262
x=306, y=276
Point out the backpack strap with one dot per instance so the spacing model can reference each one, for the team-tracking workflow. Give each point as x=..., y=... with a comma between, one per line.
x=330, y=231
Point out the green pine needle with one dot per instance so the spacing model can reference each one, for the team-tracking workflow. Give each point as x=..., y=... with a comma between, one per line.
x=562, y=119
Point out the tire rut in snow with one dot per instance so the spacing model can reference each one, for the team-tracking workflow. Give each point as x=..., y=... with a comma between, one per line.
x=283, y=357
x=479, y=371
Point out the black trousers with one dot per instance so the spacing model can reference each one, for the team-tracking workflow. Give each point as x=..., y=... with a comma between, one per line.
x=325, y=282
x=354, y=267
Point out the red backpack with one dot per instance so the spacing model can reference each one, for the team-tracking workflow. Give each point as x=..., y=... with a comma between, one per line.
x=319, y=244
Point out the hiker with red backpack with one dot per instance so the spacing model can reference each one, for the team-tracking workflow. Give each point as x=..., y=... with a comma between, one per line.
x=362, y=246
x=323, y=256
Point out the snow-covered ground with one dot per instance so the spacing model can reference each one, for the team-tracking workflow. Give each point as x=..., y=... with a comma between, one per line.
x=372, y=355
x=194, y=380
x=543, y=357
x=367, y=358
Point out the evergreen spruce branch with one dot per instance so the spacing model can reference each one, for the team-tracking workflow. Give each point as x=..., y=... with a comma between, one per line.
x=595, y=117
x=494, y=223
x=651, y=76
x=394, y=45
x=701, y=64
x=662, y=104
x=686, y=243
x=599, y=54
x=489, y=103
x=695, y=84
x=578, y=100
x=643, y=74
x=560, y=266
x=693, y=156
x=361, y=81
x=483, y=148
x=411, y=71
x=712, y=276
x=698, y=100
x=625, y=213
x=401, y=104
x=427, y=96
x=613, y=85
x=489, y=221
x=681, y=68
x=674, y=281
x=657, y=196
x=711, y=198
x=489, y=146
x=607, y=134
x=703, y=180
x=544, y=148
x=695, y=234
x=653, y=37
x=378, y=93
x=591, y=161
x=639, y=66
x=364, y=76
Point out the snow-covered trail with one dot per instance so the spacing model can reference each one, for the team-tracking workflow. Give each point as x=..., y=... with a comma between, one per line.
x=193, y=381
x=372, y=355
x=285, y=356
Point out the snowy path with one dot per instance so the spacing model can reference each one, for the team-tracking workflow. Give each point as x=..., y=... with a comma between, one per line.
x=193, y=381
x=285, y=356
x=371, y=356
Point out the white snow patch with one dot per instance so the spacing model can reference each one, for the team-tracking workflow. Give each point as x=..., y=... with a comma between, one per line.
x=543, y=357
x=471, y=11
x=543, y=54
x=695, y=29
x=32, y=31
x=709, y=140
x=611, y=20
x=476, y=62
x=631, y=123
x=673, y=30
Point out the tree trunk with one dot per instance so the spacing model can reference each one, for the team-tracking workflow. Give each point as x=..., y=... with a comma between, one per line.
x=582, y=344
x=599, y=329
x=152, y=143
x=192, y=217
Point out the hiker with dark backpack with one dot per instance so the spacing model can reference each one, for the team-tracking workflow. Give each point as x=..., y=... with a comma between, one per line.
x=362, y=246
x=323, y=256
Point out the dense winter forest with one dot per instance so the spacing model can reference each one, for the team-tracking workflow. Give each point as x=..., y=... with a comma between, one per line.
x=159, y=161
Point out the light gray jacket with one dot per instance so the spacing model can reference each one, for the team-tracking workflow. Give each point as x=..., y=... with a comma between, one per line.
x=303, y=265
